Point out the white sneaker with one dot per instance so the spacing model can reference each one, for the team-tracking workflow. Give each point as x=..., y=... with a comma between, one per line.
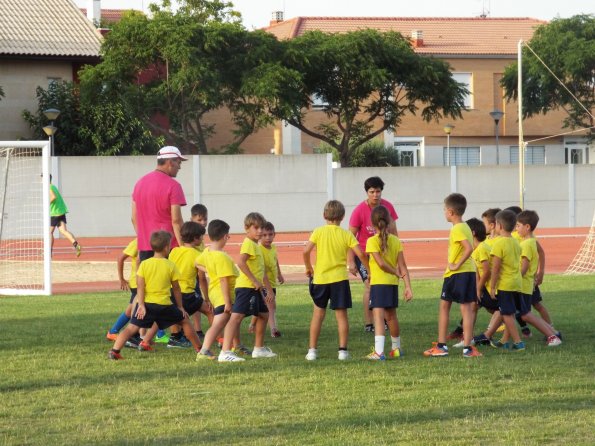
x=344, y=355
x=553, y=341
x=229, y=357
x=263, y=352
x=312, y=354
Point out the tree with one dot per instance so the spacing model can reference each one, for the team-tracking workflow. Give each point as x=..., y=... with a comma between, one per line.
x=567, y=46
x=182, y=64
x=367, y=81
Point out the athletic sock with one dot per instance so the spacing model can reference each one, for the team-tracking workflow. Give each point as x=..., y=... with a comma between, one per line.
x=160, y=333
x=379, y=344
x=119, y=324
x=396, y=342
x=115, y=351
x=75, y=243
x=441, y=345
x=342, y=348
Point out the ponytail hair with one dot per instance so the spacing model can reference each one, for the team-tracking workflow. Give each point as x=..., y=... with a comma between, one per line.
x=381, y=220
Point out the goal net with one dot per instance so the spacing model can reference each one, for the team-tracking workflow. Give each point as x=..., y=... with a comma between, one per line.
x=584, y=261
x=24, y=218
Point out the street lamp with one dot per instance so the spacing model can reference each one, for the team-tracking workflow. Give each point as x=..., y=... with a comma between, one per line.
x=448, y=129
x=497, y=116
x=51, y=114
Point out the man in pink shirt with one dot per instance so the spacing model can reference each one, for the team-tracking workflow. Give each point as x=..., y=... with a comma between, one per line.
x=360, y=224
x=157, y=200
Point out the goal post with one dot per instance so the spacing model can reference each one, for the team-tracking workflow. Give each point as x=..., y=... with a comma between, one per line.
x=25, y=247
x=584, y=261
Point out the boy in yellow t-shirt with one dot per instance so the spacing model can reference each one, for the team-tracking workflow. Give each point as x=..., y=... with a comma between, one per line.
x=200, y=214
x=184, y=257
x=130, y=252
x=249, y=293
x=155, y=278
x=328, y=280
x=459, y=279
x=222, y=273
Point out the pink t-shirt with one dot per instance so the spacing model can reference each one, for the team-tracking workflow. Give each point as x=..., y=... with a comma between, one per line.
x=361, y=218
x=153, y=195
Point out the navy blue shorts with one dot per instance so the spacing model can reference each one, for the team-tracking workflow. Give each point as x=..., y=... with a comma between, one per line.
x=56, y=220
x=249, y=302
x=536, y=296
x=523, y=303
x=487, y=302
x=459, y=288
x=163, y=315
x=384, y=296
x=191, y=302
x=132, y=294
x=339, y=293
x=363, y=272
x=219, y=310
x=197, y=290
x=506, y=302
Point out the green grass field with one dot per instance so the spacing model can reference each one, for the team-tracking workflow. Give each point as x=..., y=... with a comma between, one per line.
x=58, y=387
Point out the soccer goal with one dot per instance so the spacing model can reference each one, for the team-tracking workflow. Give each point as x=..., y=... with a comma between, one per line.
x=584, y=261
x=24, y=218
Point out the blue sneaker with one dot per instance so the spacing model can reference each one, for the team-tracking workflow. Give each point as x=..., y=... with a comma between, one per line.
x=178, y=343
x=481, y=340
x=519, y=346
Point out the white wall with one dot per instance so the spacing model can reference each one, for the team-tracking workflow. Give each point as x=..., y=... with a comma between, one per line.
x=291, y=190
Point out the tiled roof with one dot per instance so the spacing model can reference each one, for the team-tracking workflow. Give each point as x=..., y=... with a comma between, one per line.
x=441, y=35
x=109, y=15
x=46, y=28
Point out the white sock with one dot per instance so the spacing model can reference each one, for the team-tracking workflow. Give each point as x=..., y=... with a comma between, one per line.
x=379, y=344
x=396, y=342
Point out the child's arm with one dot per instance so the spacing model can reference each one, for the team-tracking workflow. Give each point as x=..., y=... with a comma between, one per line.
x=483, y=278
x=175, y=286
x=385, y=266
x=140, y=297
x=307, y=262
x=358, y=252
x=280, y=277
x=123, y=282
x=243, y=266
x=541, y=265
x=203, y=284
x=467, y=250
x=402, y=267
x=351, y=262
x=524, y=265
x=270, y=297
x=177, y=221
x=496, y=265
x=224, y=283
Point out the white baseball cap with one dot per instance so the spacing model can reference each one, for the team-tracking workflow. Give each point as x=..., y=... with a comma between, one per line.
x=170, y=152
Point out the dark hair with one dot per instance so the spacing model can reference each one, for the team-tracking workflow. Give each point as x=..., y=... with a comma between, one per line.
x=528, y=218
x=456, y=202
x=268, y=226
x=477, y=228
x=160, y=240
x=381, y=220
x=334, y=210
x=373, y=182
x=517, y=210
x=191, y=231
x=217, y=229
x=199, y=210
x=507, y=219
x=254, y=219
x=490, y=215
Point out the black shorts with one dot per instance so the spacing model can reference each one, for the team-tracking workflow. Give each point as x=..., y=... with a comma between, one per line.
x=249, y=302
x=522, y=303
x=163, y=315
x=487, y=302
x=56, y=220
x=536, y=296
x=506, y=302
x=459, y=288
x=190, y=301
x=363, y=272
x=384, y=296
x=339, y=293
x=197, y=290
x=144, y=255
x=132, y=294
x=218, y=310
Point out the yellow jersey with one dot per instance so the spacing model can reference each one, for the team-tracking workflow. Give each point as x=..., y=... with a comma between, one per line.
x=218, y=265
x=159, y=274
x=255, y=263
x=459, y=233
x=529, y=251
x=390, y=256
x=480, y=255
x=332, y=243
x=132, y=251
x=509, y=251
x=185, y=259
x=270, y=262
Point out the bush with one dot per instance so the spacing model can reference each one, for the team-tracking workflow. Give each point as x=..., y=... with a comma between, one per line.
x=371, y=154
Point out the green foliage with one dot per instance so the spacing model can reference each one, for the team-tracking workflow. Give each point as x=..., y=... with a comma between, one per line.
x=370, y=154
x=539, y=396
x=102, y=126
x=368, y=81
x=567, y=46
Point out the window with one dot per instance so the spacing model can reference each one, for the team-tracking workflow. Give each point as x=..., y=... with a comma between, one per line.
x=408, y=153
x=53, y=80
x=576, y=155
x=467, y=80
x=318, y=102
x=533, y=155
x=461, y=156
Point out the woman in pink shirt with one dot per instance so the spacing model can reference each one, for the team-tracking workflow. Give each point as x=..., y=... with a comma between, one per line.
x=360, y=224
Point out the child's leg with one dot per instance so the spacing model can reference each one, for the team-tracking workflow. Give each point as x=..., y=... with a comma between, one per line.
x=150, y=333
x=122, y=320
x=261, y=326
x=495, y=322
x=252, y=326
x=67, y=234
x=510, y=322
x=343, y=326
x=318, y=315
x=368, y=317
x=379, y=317
x=196, y=321
x=272, y=317
x=218, y=324
x=468, y=314
x=231, y=330
x=124, y=335
x=539, y=323
x=540, y=308
x=208, y=312
x=443, y=319
x=191, y=334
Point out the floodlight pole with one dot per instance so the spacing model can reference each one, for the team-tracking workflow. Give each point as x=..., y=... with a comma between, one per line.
x=521, y=136
x=497, y=116
x=448, y=129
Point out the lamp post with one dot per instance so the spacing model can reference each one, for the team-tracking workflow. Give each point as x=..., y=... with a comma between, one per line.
x=448, y=129
x=51, y=114
x=497, y=116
